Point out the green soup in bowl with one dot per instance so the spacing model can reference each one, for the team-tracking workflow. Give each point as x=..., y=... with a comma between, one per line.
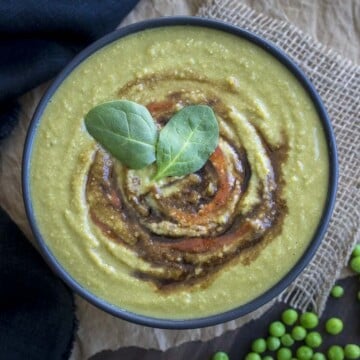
x=193, y=250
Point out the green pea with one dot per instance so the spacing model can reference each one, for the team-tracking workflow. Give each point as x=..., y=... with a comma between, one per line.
x=289, y=317
x=273, y=343
x=355, y=264
x=337, y=291
x=309, y=320
x=334, y=326
x=287, y=340
x=335, y=352
x=304, y=353
x=284, y=354
x=318, y=356
x=220, y=355
x=277, y=329
x=258, y=346
x=313, y=339
x=298, y=333
x=252, y=356
x=356, y=251
x=352, y=351
x=267, y=357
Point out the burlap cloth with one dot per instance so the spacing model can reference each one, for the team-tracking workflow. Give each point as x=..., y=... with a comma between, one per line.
x=337, y=80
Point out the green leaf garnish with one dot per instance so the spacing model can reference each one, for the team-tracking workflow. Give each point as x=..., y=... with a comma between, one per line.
x=126, y=130
x=186, y=141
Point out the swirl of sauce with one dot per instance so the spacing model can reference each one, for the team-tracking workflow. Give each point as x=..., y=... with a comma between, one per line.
x=187, y=228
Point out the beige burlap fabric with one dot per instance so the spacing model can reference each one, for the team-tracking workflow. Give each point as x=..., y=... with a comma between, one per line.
x=338, y=83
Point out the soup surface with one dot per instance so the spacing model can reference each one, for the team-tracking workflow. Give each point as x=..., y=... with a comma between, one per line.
x=191, y=246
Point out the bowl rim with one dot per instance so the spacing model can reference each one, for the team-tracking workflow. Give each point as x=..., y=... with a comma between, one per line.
x=241, y=310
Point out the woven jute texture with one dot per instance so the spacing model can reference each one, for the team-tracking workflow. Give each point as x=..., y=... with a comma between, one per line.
x=338, y=82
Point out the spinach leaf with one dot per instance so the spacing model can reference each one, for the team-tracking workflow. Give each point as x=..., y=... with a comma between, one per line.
x=186, y=141
x=125, y=129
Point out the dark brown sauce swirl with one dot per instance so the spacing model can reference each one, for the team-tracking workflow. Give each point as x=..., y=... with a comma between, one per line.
x=189, y=234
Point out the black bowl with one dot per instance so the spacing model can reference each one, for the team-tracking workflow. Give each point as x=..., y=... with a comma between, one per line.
x=243, y=309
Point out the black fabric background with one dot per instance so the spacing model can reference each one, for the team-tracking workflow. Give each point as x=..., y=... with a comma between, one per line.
x=37, y=39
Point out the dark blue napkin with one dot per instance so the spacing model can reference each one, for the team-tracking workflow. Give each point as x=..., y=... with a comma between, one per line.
x=37, y=318
x=37, y=39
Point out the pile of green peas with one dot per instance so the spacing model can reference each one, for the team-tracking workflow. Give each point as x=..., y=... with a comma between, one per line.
x=294, y=328
x=355, y=263
x=300, y=330
x=355, y=259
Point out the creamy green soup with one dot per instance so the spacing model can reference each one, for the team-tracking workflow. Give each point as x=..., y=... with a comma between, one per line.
x=191, y=246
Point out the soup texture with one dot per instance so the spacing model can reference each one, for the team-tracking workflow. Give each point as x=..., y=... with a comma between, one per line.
x=196, y=245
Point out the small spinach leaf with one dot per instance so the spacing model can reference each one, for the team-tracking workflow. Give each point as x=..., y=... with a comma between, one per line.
x=186, y=141
x=125, y=129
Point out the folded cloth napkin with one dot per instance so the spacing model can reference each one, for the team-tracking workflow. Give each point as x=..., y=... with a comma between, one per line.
x=36, y=309
x=37, y=39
